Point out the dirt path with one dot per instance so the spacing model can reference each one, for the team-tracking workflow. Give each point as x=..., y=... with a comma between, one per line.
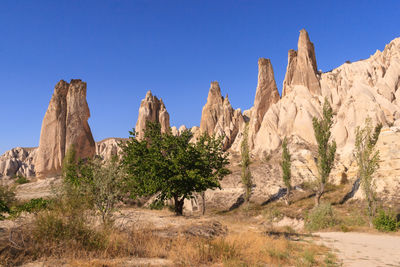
x=362, y=249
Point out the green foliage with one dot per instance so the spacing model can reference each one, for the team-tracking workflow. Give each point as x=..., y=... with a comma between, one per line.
x=326, y=149
x=320, y=217
x=386, y=221
x=70, y=167
x=7, y=198
x=100, y=184
x=21, y=180
x=34, y=205
x=286, y=172
x=104, y=183
x=172, y=166
x=247, y=179
x=367, y=159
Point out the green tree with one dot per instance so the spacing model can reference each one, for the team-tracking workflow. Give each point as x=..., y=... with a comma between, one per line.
x=70, y=167
x=105, y=185
x=286, y=172
x=247, y=179
x=171, y=166
x=367, y=158
x=213, y=159
x=326, y=149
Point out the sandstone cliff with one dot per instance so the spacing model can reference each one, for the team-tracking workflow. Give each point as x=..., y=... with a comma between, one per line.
x=152, y=109
x=65, y=123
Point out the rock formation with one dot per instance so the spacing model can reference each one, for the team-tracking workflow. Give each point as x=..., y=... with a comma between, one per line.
x=302, y=67
x=266, y=95
x=152, y=109
x=78, y=132
x=219, y=118
x=18, y=161
x=65, y=123
x=109, y=147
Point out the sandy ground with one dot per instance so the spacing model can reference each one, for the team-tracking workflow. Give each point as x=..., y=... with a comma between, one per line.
x=362, y=249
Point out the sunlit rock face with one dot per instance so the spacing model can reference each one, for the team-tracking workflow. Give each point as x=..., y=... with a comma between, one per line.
x=152, y=109
x=219, y=118
x=302, y=67
x=65, y=124
x=18, y=162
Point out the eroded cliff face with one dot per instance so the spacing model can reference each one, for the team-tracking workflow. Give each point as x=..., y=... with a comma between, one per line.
x=64, y=124
x=219, y=118
x=152, y=109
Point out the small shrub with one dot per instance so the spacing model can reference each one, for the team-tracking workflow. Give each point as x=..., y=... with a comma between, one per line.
x=53, y=228
x=34, y=205
x=21, y=180
x=7, y=198
x=386, y=221
x=320, y=217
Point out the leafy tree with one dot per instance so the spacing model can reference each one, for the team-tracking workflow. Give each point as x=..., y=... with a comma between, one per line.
x=368, y=162
x=93, y=183
x=245, y=163
x=104, y=185
x=326, y=149
x=214, y=159
x=286, y=172
x=172, y=166
x=70, y=167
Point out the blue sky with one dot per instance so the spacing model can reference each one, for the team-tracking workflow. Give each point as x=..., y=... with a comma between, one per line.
x=123, y=48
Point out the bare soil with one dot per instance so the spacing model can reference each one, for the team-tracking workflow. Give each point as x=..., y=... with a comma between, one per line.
x=363, y=249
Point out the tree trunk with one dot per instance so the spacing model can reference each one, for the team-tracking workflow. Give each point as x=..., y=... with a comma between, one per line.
x=318, y=195
x=203, y=199
x=179, y=205
x=287, y=199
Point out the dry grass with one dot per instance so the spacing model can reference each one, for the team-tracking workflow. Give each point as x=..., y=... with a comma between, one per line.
x=242, y=246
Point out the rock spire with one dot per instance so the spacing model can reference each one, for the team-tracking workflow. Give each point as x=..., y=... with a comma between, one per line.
x=64, y=124
x=152, y=109
x=302, y=67
x=218, y=117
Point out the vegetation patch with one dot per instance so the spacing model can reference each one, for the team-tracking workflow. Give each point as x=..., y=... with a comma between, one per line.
x=320, y=217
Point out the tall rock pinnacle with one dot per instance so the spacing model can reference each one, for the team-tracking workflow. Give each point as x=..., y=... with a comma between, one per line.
x=218, y=117
x=152, y=109
x=266, y=95
x=65, y=123
x=302, y=67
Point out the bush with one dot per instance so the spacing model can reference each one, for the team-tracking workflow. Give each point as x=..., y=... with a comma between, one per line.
x=34, y=205
x=21, y=180
x=320, y=217
x=7, y=198
x=386, y=221
x=51, y=227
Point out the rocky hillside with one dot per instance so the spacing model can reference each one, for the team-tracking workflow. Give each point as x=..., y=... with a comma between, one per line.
x=366, y=88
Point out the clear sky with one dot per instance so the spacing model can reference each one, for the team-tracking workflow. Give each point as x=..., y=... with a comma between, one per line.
x=122, y=48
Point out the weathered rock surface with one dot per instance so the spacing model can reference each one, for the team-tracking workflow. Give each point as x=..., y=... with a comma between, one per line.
x=109, y=147
x=219, y=118
x=152, y=109
x=64, y=124
x=78, y=132
x=51, y=149
x=266, y=95
x=18, y=161
x=302, y=67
